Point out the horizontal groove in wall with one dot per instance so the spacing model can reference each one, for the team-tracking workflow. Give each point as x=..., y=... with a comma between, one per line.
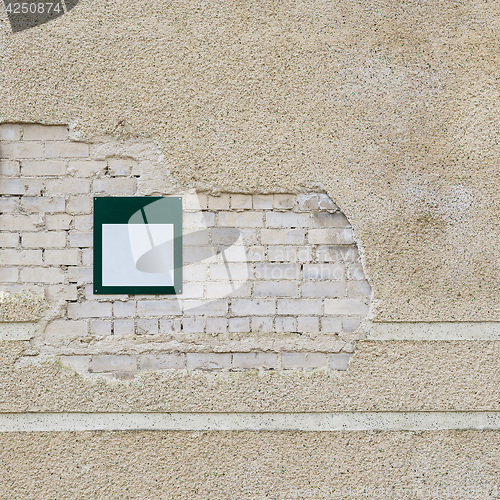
x=337, y=421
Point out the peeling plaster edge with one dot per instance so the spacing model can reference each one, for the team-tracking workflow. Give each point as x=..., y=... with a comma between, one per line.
x=317, y=422
x=17, y=331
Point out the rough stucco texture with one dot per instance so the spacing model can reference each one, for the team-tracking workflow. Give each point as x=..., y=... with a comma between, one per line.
x=391, y=106
x=146, y=465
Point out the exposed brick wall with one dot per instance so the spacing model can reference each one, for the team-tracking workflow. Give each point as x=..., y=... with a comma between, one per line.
x=289, y=266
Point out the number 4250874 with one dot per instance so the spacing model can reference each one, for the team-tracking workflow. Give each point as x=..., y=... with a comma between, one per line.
x=33, y=8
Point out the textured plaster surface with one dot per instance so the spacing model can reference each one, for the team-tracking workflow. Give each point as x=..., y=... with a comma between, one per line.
x=20, y=307
x=391, y=107
x=382, y=376
x=150, y=465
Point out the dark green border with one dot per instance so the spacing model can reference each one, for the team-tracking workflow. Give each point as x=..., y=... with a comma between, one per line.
x=118, y=210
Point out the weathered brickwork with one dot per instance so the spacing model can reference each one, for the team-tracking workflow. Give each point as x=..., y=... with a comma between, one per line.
x=269, y=266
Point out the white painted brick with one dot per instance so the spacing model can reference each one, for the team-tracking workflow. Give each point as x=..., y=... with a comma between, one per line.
x=333, y=236
x=111, y=362
x=284, y=201
x=208, y=361
x=194, y=255
x=255, y=360
x=356, y=289
x=241, y=201
x=308, y=324
x=284, y=288
x=170, y=325
x=56, y=222
x=78, y=363
x=89, y=310
x=283, y=236
x=239, y=325
x=9, y=203
x=219, y=202
x=42, y=275
x=43, y=168
x=9, y=274
x=33, y=186
x=350, y=325
x=195, y=201
x=81, y=240
x=80, y=274
x=327, y=219
x=331, y=325
x=284, y=253
x=286, y=324
x=299, y=306
x=124, y=309
x=272, y=271
x=9, y=168
x=10, y=132
x=87, y=168
x=196, y=238
x=83, y=222
x=241, y=219
x=119, y=186
x=193, y=325
x=326, y=203
x=157, y=307
x=192, y=291
x=249, y=307
x=225, y=235
x=263, y=202
x=120, y=167
x=49, y=239
x=66, y=150
x=20, y=150
x=332, y=253
x=355, y=271
x=287, y=219
x=346, y=307
x=216, y=325
x=20, y=257
x=262, y=324
x=16, y=223
x=198, y=220
x=124, y=327
x=9, y=240
x=79, y=205
x=45, y=132
x=236, y=270
x=162, y=361
x=68, y=186
x=87, y=256
x=331, y=272
x=308, y=202
x=61, y=292
x=100, y=327
x=195, y=272
x=303, y=360
x=146, y=326
x=63, y=328
x=324, y=289
x=339, y=361
x=256, y=254
x=206, y=307
x=218, y=290
x=66, y=257
x=12, y=186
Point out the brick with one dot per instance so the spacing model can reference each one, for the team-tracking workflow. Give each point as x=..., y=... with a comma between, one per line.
x=339, y=361
x=346, y=307
x=42, y=275
x=283, y=237
x=241, y=201
x=9, y=274
x=192, y=291
x=255, y=360
x=19, y=150
x=168, y=361
x=284, y=253
x=324, y=289
x=333, y=236
x=284, y=201
x=285, y=288
x=193, y=325
x=355, y=271
x=308, y=202
x=216, y=325
x=66, y=150
x=303, y=360
x=196, y=238
x=206, y=307
x=326, y=203
x=219, y=202
x=250, y=307
x=49, y=239
x=34, y=187
x=357, y=289
x=124, y=327
x=331, y=272
x=208, y=361
x=100, y=327
x=111, y=362
x=350, y=325
x=308, y=324
x=78, y=363
x=45, y=132
x=64, y=328
x=58, y=221
x=218, y=290
x=81, y=240
x=299, y=306
x=238, y=271
x=117, y=186
x=333, y=253
x=10, y=132
x=87, y=256
x=263, y=202
x=12, y=186
x=255, y=254
x=119, y=167
x=61, y=292
x=277, y=271
x=262, y=324
x=225, y=235
x=8, y=204
x=16, y=223
x=8, y=240
x=157, y=307
x=239, y=325
x=194, y=201
x=241, y=219
x=9, y=168
x=124, y=309
x=327, y=219
x=146, y=326
x=170, y=325
x=198, y=220
x=80, y=274
x=43, y=204
x=286, y=324
x=83, y=222
x=68, y=186
x=66, y=257
x=21, y=257
x=79, y=205
x=89, y=310
x=43, y=168
x=195, y=272
x=287, y=220
x=87, y=168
